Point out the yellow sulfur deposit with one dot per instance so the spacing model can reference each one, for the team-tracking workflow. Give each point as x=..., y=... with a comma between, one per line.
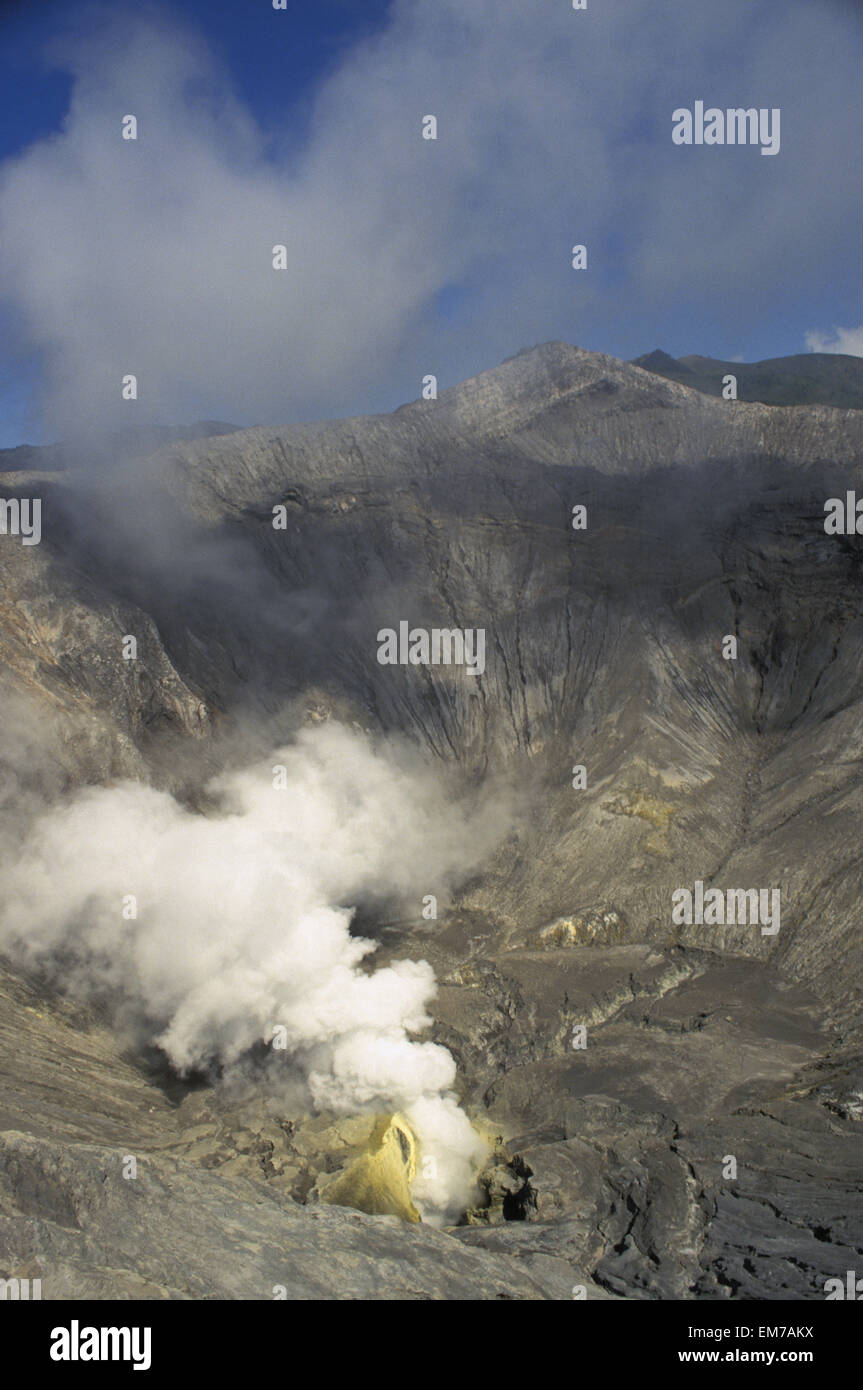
x=379, y=1179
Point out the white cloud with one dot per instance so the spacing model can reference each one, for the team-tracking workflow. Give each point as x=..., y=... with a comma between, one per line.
x=154, y=257
x=846, y=340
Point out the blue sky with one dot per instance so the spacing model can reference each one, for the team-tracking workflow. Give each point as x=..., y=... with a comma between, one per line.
x=301, y=127
x=276, y=79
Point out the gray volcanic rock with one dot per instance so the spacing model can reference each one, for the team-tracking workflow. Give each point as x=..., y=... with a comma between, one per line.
x=73, y=1110
x=69, y=1218
x=604, y=648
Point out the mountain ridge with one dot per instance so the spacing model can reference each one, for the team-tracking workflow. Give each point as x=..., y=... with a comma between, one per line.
x=833, y=379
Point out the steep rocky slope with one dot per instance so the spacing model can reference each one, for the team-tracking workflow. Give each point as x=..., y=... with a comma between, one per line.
x=604, y=648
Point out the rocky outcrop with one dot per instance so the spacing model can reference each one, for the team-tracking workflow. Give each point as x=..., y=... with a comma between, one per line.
x=704, y=1041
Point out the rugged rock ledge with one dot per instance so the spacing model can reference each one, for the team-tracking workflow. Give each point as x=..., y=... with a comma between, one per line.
x=705, y=518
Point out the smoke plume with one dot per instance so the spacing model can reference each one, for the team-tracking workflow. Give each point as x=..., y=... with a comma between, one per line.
x=243, y=926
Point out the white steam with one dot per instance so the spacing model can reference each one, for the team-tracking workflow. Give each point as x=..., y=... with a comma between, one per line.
x=243, y=923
